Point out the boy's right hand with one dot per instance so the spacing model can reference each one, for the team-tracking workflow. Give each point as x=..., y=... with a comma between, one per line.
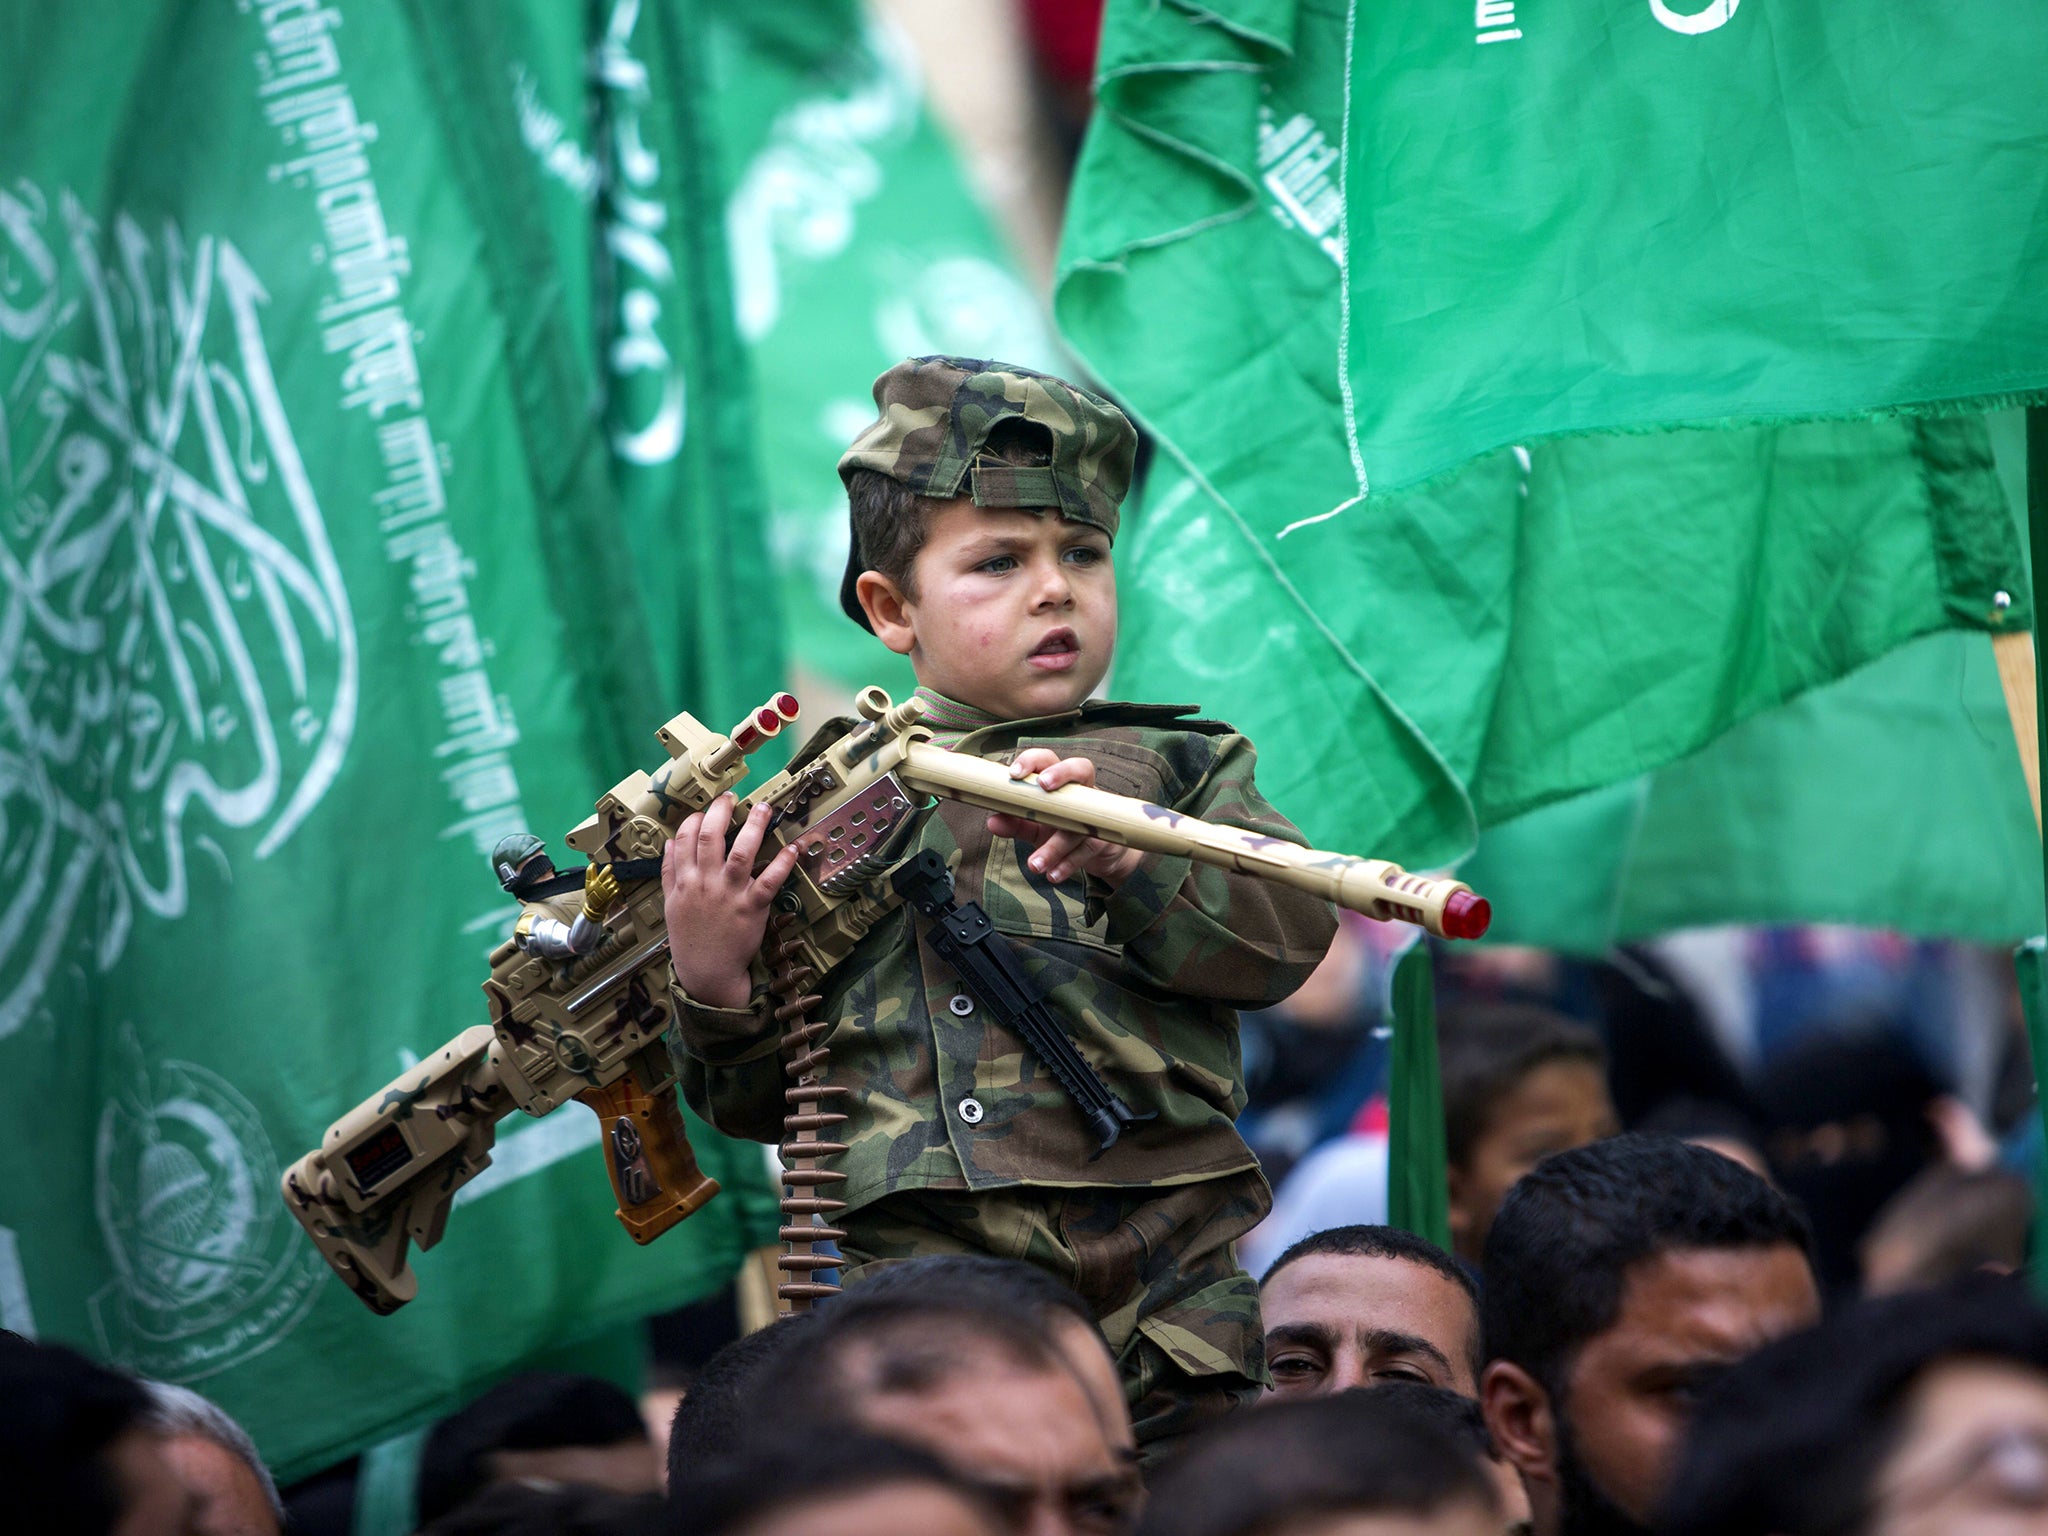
x=715, y=906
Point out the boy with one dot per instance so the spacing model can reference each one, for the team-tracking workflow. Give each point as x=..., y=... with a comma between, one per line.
x=983, y=503
x=1520, y=1082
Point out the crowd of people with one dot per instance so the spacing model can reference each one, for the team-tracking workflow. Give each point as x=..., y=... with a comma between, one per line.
x=1641, y=1348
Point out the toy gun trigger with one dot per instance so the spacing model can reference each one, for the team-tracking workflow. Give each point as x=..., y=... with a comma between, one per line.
x=647, y=1151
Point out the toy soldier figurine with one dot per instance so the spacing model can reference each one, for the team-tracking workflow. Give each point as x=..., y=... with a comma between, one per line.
x=555, y=926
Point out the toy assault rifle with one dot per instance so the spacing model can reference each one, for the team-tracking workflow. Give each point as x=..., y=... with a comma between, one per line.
x=593, y=1028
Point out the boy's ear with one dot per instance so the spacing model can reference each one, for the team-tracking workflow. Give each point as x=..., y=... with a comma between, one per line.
x=888, y=611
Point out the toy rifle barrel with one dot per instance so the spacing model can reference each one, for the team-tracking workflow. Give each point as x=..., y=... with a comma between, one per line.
x=1447, y=908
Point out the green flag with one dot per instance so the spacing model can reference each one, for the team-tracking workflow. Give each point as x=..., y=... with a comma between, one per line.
x=855, y=243
x=324, y=571
x=1552, y=620
x=1610, y=216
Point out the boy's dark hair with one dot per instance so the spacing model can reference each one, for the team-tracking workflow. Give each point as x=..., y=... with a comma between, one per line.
x=1371, y=1242
x=1363, y=1452
x=891, y=521
x=1560, y=1249
x=59, y=1414
x=786, y=1470
x=539, y=1410
x=1453, y=1412
x=1485, y=1049
x=707, y=1421
x=1791, y=1439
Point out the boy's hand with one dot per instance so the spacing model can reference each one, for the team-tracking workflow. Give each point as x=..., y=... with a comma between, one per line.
x=1060, y=854
x=715, y=906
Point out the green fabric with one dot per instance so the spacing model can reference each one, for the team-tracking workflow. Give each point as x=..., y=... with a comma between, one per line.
x=1549, y=621
x=1604, y=217
x=325, y=572
x=1892, y=798
x=856, y=244
x=387, y=1485
x=1418, y=1188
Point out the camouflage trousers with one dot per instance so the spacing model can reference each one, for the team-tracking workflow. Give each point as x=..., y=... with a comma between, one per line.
x=1157, y=1266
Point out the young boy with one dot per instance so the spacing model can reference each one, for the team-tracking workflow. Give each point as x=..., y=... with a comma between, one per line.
x=1520, y=1082
x=984, y=502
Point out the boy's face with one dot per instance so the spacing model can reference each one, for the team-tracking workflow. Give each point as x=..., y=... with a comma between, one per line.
x=1015, y=611
x=1561, y=1104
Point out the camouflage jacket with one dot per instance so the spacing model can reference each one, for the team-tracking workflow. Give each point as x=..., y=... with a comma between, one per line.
x=1148, y=979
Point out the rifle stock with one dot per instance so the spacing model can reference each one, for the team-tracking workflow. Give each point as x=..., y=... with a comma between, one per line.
x=594, y=1028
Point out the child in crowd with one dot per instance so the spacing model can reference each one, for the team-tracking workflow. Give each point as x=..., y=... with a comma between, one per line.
x=984, y=501
x=1520, y=1082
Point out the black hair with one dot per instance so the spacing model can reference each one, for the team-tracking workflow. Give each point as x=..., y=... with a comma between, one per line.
x=558, y=1509
x=539, y=1410
x=59, y=1414
x=1370, y=1242
x=1363, y=1452
x=1791, y=1440
x=1559, y=1251
x=897, y=1340
x=707, y=1421
x=891, y=521
x=1453, y=1412
x=1485, y=1049
x=787, y=1470
x=953, y=1276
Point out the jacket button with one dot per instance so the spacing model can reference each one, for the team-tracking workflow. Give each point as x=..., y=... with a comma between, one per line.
x=971, y=1111
x=961, y=1004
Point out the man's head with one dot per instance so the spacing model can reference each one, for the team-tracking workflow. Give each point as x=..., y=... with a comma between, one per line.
x=215, y=1459
x=984, y=500
x=1925, y=1413
x=77, y=1456
x=542, y=1424
x=980, y=1383
x=706, y=1426
x=843, y=1484
x=1462, y=1417
x=1357, y=1462
x=1361, y=1306
x=1620, y=1278
x=1007, y=1284
x=1520, y=1083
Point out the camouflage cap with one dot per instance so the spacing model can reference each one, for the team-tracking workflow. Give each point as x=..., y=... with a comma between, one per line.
x=937, y=412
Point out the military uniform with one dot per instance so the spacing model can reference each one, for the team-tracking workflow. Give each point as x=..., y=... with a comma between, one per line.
x=958, y=1139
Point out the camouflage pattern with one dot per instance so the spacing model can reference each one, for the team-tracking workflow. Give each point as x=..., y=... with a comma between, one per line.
x=1148, y=979
x=936, y=412
x=1158, y=1268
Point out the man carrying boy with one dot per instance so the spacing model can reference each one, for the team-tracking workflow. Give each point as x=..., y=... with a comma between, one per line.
x=984, y=501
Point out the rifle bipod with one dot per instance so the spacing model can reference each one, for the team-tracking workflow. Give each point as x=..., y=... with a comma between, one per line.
x=806, y=1211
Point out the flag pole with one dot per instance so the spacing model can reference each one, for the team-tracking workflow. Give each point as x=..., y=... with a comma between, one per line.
x=2014, y=668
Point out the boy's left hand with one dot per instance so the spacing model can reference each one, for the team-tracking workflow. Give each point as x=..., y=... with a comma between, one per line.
x=1060, y=855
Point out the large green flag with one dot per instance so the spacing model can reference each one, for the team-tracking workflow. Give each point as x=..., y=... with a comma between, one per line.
x=855, y=243
x=326, y=567
x=1556, y=618
x=1612, y=215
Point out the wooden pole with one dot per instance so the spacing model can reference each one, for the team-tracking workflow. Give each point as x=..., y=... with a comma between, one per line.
x=2018, y=675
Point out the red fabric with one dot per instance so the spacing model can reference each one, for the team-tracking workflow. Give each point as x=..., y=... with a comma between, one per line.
x=1372, y=1118
x=1064, y=34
